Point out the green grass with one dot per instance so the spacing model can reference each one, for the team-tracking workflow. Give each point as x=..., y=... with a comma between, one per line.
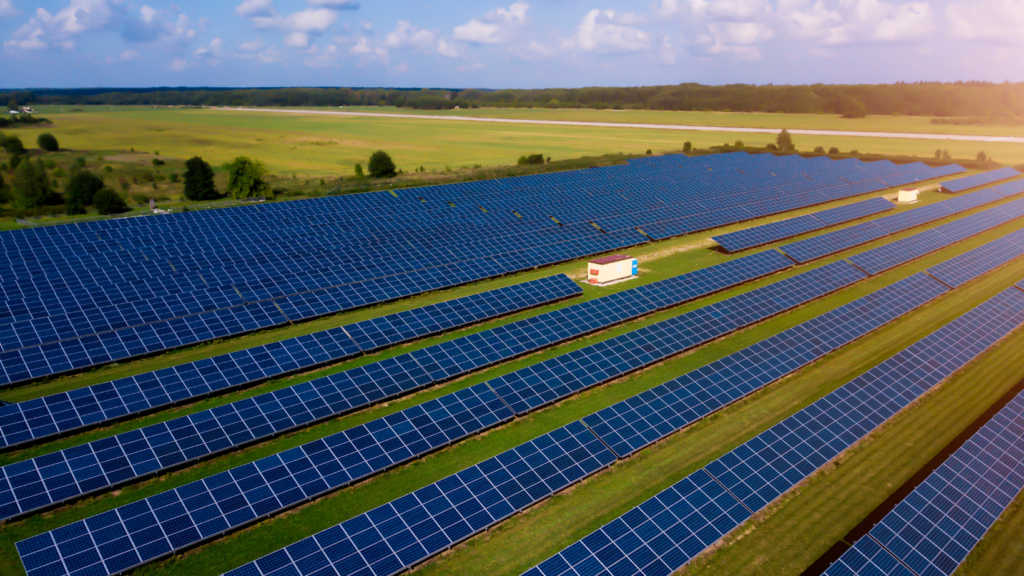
x=631, y=481
x=326, y=146
x=903, y=124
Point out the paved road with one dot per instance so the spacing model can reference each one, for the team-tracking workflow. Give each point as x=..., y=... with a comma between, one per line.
x=911, y=136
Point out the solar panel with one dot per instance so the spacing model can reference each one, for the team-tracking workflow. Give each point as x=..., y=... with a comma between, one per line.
x=655, y=538
x=764, y=234
x=933, y=529
x=69, y=473
x=50, y=415
x=969, y=265
x=884, y=257
x=390, y=536
x=961, y=184
x=839, y=240
x=314, y=257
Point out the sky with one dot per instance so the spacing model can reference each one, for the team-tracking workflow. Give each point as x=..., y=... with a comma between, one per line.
x=502, y=44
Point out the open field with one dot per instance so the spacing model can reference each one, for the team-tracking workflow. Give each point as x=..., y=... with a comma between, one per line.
x=782, y=541
x=327, y=147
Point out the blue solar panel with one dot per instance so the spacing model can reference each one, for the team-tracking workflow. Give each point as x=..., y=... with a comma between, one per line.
x=101, y=403
x=839, y=240
x=764, y=234
x=655, y=538
x=967, y=182
x=867, y=557
x=136, y=284
x=933, y=529
x=969, y=265
x=639, y=421
x=904, y=250
x=103, y=463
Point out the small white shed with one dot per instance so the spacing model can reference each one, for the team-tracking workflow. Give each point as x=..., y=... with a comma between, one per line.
x=611, y=268
x=908, y=195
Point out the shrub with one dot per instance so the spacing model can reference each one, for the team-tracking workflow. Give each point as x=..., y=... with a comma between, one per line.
x=79, y=162
x=50, y=164
x=157, y=162
x=81, y=189
x=738, y=144
x=15, y=161
x=13, y=145
x=946, y=155
x=833, y=150
x=359, y=171
x=246, y=178
x=938, y=153
x=772, y=147
x=981, y=156
x=108, y=168
x=124, y=183
x=819, y=149
x=785, y=141
x=47, y=142
x=381, y=165
x=687, y=146
x=174, y=177
x=198, y=180
x=531, y=159
x=107, y=201
x=648, y=151
x=31, y=187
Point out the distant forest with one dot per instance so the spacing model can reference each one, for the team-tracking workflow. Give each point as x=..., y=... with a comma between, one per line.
x=959, y=99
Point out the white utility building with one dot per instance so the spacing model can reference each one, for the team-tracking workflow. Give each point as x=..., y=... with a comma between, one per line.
x=611, y=268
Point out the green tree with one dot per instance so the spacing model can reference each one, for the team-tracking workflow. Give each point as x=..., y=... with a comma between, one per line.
x=687, y=146
x=531, y=159
x=80, y=190
x=938, y=153
x=738, y=144
x=852, y=108
x=982, y=156
x=246, y=178
x=359, y=171
x=4, y=193
x=31, y=187
x=946, y=155
x=833, y=150
x=107, y=201
x=199, y=180
x=381, y=165
x=47, y=142
x=819, y=149
x=785, y=141
x=13, y=145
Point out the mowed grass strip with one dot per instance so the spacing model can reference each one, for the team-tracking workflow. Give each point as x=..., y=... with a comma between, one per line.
x=326, y=146
x=269, y=535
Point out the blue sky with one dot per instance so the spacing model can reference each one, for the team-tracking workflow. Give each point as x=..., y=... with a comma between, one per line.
x=496, y=44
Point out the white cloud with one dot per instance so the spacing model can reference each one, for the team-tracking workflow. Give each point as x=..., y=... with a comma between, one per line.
x=605, y=32
x=405, y=35
x=252, y=46
x=497, y=27
x=401, y=68
x=366, y=25
x=213, y=51
x=986, y=19
x=123, y=57
x=250, y=8
x=321, y=59
x=150, y=26
x=369, y=51
x=297, y=40
x=906, y=22
x=8, y=9
x=270, y=55
x=446, y=49
x=179, y=64
x=667, y=55
x=336, y=4
x=45, y=30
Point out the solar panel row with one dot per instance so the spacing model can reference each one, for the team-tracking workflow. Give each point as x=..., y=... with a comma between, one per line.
x=766, y=233
x=746, y=371
x=904, y=250
x=665, y=532
x=933, y=529
x=101, y=403
x=321, y=555
x=78, y=295
x=839, y=240
x=967, y=182
x=32, y=484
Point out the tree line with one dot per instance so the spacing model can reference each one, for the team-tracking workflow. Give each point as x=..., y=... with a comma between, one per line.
x=956, y=99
